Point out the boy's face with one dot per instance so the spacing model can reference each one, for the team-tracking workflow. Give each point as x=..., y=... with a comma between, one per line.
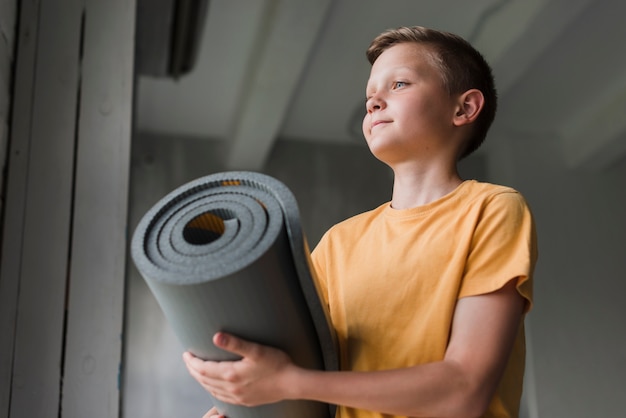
x=409, y=113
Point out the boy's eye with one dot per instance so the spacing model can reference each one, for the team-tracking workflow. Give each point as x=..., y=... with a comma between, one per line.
x=399, y=84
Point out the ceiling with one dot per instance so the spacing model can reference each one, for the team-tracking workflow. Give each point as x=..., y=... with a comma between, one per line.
x=296, y=70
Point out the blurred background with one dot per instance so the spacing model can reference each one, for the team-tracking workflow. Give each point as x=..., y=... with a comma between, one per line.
x=278, y=87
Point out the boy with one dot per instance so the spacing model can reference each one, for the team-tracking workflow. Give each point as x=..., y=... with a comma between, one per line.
x=427, y=293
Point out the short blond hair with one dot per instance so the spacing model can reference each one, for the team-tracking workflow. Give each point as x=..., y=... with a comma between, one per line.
x=461, y=67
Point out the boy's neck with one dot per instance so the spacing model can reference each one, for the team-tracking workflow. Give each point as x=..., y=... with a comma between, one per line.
x=416, y=186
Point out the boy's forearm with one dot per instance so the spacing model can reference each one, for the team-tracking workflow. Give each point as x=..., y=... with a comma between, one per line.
x=463, y=384
x=438, y=389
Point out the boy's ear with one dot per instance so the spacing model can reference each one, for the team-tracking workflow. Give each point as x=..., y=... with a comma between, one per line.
x=469, y=106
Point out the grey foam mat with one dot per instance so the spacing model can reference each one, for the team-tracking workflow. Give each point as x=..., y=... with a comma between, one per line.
x=226, y=252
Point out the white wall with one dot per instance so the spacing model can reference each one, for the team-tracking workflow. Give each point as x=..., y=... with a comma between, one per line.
x=578, y=327
x=8, y=16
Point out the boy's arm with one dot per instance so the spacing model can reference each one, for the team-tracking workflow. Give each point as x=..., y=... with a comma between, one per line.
x=462, y=384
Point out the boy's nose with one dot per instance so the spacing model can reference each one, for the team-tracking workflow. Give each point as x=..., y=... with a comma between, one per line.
x=374, y=103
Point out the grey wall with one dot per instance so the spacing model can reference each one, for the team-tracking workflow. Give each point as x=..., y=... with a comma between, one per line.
x=8, y=14
x=578, y=327
x=330, y=182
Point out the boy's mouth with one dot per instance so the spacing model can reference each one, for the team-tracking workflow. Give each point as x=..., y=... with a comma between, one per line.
x=378, y=122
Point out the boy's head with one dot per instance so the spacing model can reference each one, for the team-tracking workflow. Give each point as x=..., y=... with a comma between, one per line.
x=461, y=67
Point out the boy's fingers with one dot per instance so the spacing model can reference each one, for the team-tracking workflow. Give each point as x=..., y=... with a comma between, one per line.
x=235, y=345
x=198, y=368
x=213, y=414
x=191, y=360
x=226, y=342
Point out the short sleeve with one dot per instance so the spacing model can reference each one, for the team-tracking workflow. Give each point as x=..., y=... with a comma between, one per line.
x=318, y=256
x=504, y=247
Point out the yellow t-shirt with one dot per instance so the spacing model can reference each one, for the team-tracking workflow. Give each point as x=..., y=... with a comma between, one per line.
x=391, y=279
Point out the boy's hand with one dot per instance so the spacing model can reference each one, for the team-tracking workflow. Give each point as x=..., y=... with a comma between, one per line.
x=262, y=376
x=213, y=414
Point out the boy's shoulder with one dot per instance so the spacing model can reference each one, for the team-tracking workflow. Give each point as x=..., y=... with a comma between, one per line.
x=484, y=194
x=495, y=199
x=489, y=190
x=484, y=189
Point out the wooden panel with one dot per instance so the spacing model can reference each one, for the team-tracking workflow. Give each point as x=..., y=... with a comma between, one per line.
x=42, y=254
x=10, y=258
x=97, y=269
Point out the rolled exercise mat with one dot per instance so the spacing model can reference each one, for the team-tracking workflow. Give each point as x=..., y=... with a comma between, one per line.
x=226, y=252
